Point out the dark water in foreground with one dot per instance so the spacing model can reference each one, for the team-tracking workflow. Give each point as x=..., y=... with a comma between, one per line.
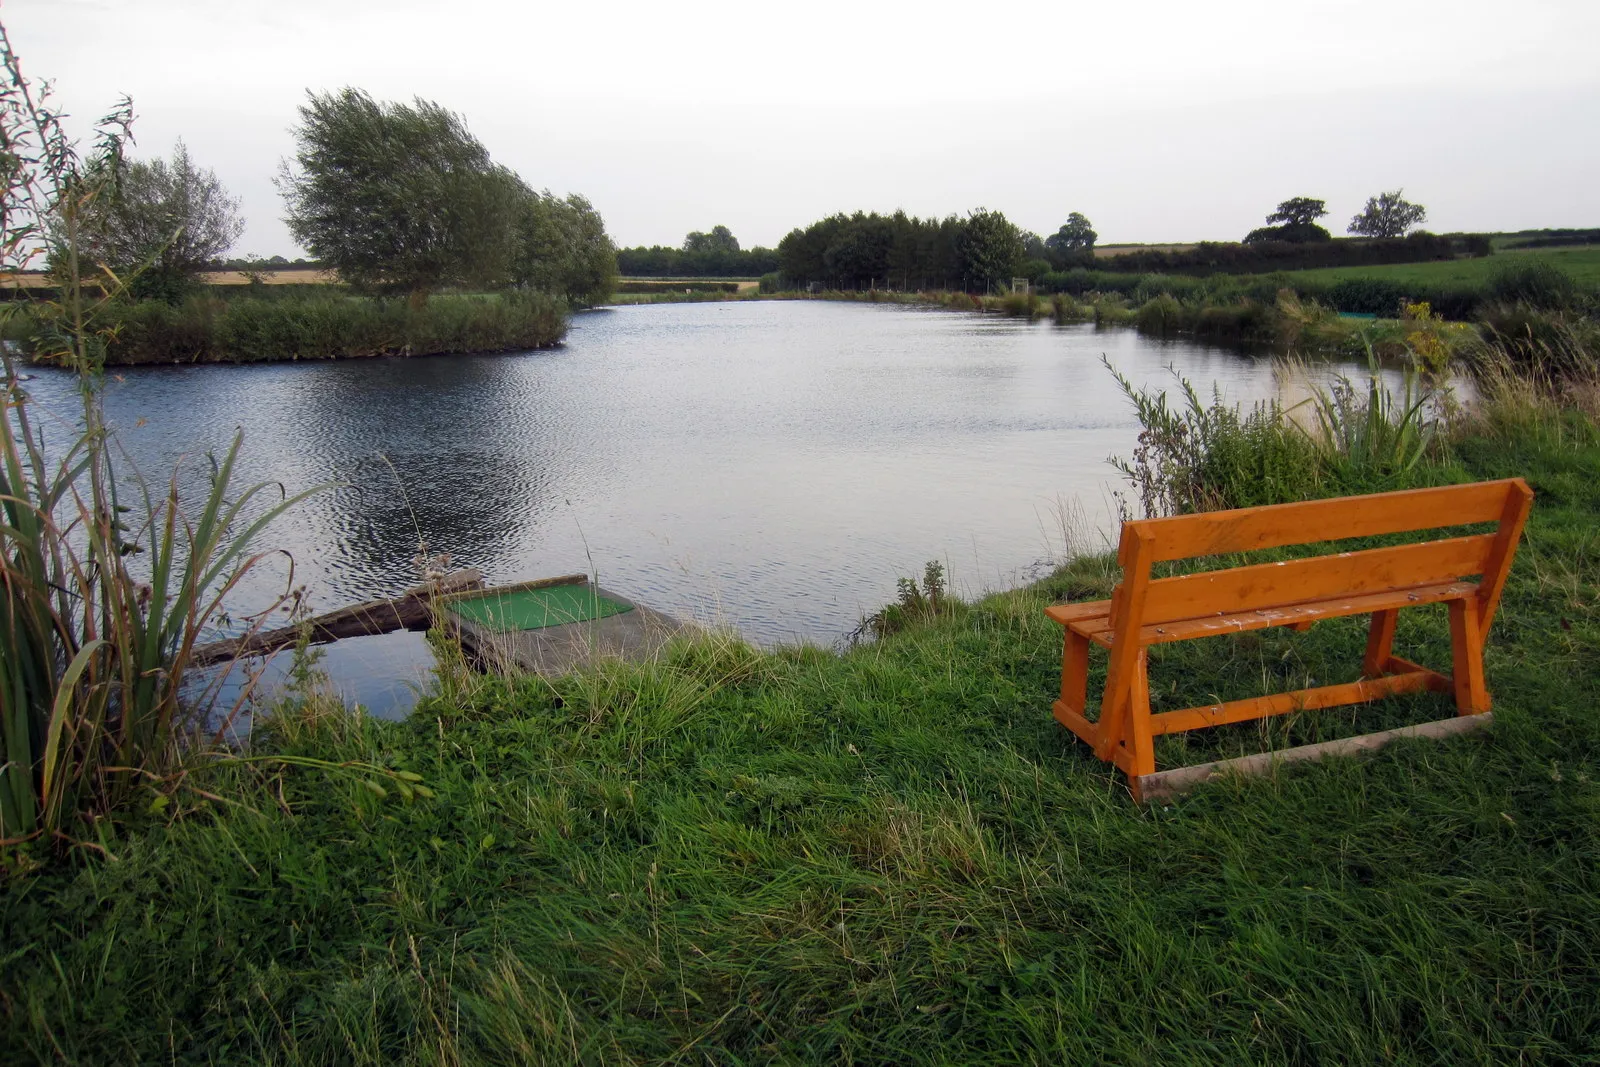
x=769, y=466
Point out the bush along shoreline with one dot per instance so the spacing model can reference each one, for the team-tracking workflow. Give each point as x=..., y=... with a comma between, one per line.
x=206, y=328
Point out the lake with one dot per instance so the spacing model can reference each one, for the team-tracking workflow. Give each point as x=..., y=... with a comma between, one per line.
x=770, y=466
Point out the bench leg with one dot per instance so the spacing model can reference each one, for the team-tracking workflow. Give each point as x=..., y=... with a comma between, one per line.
x=1466, y=650
x=1075, y=672
x=1140, y=743
x=1380, y=643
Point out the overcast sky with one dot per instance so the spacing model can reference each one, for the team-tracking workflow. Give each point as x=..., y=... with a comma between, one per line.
x=1161, y=121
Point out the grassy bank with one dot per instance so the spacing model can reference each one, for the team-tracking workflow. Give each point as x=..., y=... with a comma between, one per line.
x=888, y=856
x=1581, y=264
x=325, y=324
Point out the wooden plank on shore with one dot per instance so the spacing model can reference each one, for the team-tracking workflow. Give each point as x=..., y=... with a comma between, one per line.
x=410, y=611
x=1164, y=785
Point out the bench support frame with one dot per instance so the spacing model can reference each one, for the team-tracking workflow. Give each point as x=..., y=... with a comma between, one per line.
x=1125, y=730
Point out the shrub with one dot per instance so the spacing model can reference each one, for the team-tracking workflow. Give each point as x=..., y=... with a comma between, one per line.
x=913, y=604
x=1161, y=315
x=1547, y=344
x=1205, y=457
x=1065, y=309
x=1534, y=282
x=1018, y=305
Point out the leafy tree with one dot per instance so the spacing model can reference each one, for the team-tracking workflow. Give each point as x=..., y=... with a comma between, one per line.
x=1296, y=220
x=1388, y=215
x=171, y=218
x=399, y=197
x=1074, y=240
x=1299, y=211
x=720, y=239
x=990, y=247
x=563, y=248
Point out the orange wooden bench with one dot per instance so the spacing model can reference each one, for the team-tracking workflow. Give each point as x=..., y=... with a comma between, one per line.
x=1145, y=610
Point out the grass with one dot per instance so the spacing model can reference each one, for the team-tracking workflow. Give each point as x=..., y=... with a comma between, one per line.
x=1583, y=264
x=888, y=856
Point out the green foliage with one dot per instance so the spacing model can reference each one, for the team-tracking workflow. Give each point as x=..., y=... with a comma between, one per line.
x=326, y=325
x=562, y=249
x=397, y=197
x=1294, y=222
x=1161, y=315
x=659, y=261
x=1369, y=438
x=990, y=248
x=860, y=251
x=160, y=224
x=1555, y=345
x=913, y=604
x=101, y=599
x=719, y=241
x=1073, y=242
x=1388, y=215
x=1208, y=456
x=1298, y=212
x=1537, y=283
x=1019, y=305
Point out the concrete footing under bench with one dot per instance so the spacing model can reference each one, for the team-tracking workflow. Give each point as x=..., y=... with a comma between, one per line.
x=1164, y=785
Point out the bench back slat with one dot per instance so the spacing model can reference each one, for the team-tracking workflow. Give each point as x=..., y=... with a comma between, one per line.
x=1277, y=525
x=1266, y=585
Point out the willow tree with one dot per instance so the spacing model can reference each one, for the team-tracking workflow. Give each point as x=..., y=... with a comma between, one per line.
x=562, y=248
x=160, y=223
x=398, y=197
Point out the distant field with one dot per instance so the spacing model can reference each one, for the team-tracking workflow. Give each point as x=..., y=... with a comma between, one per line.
x=1582, y=263
x=1112, y=251
x=286, y=276
x=745, y=284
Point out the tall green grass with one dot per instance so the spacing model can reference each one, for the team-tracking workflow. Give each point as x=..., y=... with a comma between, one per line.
x=106, y=583
x=207, y=328
x=94, y=654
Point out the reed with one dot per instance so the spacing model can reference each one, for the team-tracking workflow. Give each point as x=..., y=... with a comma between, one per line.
x=106, y=584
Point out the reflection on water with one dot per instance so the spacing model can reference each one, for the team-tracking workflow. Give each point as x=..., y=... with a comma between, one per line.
x=771, y=466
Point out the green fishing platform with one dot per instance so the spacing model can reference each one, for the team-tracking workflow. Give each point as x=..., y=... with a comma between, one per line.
x=552, y=625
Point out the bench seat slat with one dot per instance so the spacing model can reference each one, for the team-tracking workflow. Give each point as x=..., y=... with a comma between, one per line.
x=1097, y=626
x=1277, y=525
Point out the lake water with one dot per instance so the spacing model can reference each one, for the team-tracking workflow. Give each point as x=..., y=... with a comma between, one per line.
x=770, y=466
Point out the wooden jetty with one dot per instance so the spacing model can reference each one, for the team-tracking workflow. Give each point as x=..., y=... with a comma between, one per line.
x=409, y=611
x=609, y=626
x=550, y=626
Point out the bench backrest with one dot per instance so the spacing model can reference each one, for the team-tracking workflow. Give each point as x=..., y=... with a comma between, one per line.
x=1146, y=542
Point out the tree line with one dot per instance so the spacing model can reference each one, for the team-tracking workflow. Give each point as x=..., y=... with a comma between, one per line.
x=397, y=198
x=981, y=250
x=713, y=254
x=984, y=250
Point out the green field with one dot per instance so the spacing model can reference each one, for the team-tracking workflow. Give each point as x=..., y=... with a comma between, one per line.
x=1583, y=264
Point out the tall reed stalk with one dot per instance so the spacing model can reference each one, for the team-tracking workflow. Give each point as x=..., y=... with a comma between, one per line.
x=1368, y=434
x=93, y=655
